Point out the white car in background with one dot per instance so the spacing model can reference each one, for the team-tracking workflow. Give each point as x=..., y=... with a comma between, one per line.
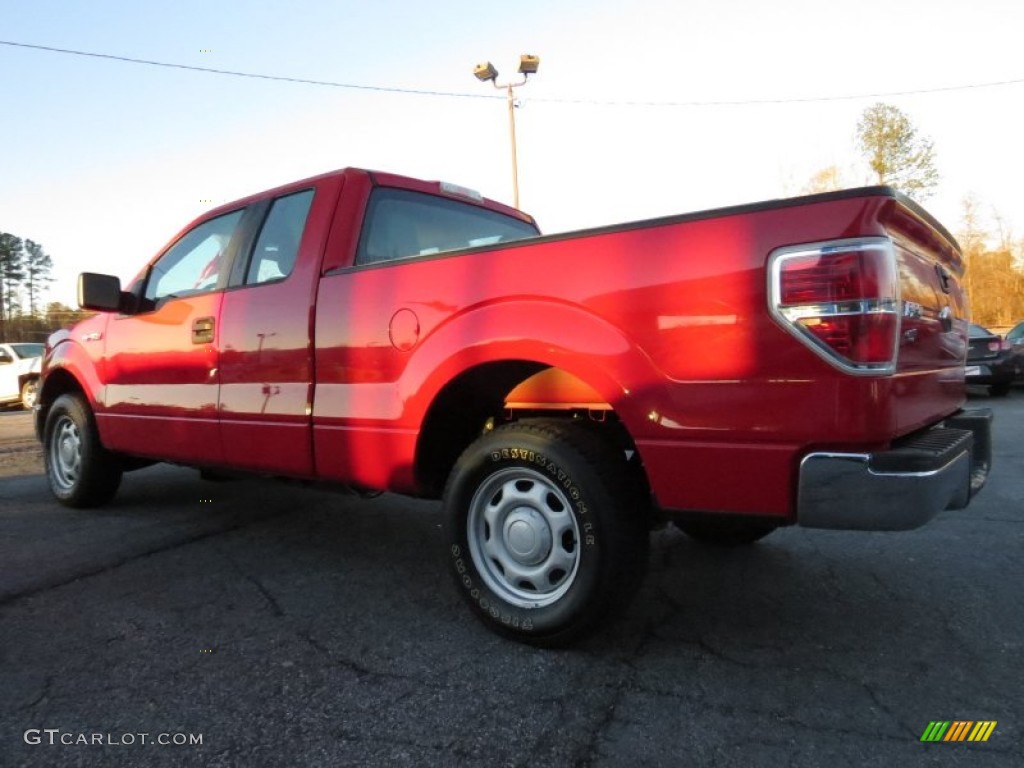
x=20, y=364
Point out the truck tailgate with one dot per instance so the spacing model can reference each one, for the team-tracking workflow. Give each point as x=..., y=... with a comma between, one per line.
x=934, y=316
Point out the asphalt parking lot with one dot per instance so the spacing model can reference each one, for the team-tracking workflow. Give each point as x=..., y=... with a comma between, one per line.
x=292, y=627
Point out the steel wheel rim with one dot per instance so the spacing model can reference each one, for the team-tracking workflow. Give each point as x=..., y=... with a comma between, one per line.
x=29, y=396
x=523, y=537
x=65, y=454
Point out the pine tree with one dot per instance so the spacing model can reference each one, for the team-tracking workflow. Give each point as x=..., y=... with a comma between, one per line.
x=38, y=266
x=11, y=274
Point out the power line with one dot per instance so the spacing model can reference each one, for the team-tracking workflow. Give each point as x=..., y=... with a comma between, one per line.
x=792, y=100
x=254, y=75
x=589, y=102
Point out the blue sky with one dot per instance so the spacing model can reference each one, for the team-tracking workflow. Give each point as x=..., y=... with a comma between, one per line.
x=104, y=161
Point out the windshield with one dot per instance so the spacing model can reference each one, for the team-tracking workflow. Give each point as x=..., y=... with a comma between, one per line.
x=28, y=350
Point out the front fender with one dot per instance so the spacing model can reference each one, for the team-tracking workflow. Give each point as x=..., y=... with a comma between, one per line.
x=69, y=366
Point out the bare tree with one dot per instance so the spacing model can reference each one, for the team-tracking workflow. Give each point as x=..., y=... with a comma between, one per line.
x=826, y=180
x=897, y=154
x=1004, y=230
x=972, y=239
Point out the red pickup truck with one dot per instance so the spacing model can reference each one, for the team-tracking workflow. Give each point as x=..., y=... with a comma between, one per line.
x=736, y=370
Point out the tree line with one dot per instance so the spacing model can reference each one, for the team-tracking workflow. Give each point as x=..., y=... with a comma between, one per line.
x=900, y=156
x=25, y=273
x=995, y=268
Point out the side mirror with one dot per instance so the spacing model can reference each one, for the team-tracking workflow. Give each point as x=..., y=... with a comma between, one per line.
x=99, y=292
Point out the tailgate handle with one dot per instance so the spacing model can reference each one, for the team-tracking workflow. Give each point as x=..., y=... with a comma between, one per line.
x=202, y=330
x=943, y=277
x=946, y=319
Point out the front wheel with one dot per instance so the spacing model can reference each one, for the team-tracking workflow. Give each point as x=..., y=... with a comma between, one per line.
x=29, y=393
x=999, y=390
x=546, y=534
x=82, y=473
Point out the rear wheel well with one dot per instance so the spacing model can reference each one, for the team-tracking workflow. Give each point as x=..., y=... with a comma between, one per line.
x=459, y=414
x=474, y=403
x=26, y=377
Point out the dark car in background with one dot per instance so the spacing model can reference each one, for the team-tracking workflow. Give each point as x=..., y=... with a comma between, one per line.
x=990, y=361
x=1015, y=336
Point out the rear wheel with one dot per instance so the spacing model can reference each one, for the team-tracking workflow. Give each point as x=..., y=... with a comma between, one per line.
x=725, y=532
x=545, y=532
x=82, y=473
x=999, y=390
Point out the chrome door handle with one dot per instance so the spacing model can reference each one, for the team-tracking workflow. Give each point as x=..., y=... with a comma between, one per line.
x=202, y=330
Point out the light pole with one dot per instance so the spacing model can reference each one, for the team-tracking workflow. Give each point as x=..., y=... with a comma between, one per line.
x=486, y=72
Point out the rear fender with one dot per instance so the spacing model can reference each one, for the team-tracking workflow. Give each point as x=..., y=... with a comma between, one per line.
x=554, y=334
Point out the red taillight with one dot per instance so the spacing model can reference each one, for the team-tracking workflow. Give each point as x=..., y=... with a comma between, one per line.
x=841, y=298
x=862, y=339
x=826, y=278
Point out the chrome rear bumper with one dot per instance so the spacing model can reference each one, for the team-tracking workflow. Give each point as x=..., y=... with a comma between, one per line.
x=902, y=488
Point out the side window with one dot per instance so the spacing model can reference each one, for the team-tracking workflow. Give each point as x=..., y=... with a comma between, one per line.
x=194, y=263
x=274, y=255
x=401, y=223
x=5, y=358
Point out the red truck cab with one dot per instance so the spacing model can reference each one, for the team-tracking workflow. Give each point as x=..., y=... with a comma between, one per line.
x=795, y=361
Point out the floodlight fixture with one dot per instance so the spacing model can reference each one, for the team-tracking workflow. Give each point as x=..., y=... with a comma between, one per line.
x=485, y=72
x=528, y=65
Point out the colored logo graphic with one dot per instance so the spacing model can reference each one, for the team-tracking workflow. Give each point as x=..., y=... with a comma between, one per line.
x=959, y=730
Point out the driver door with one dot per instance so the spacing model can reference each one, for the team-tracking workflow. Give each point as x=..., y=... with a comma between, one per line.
x=162, y=361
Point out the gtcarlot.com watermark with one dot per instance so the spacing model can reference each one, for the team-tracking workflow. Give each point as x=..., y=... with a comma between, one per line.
x=56, y=736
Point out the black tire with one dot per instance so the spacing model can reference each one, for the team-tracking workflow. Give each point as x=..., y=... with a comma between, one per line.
x=999, y=390
x=574, y=531
x=725, y=533
x=82, y=473
x=29, y=393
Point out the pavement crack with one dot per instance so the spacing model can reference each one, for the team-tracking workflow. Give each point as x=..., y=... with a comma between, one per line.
x=44, y=694
x=721, y=655
x=117, y=561
x=626, y=684
x=592, y=748
x=275, y=606
x=348, y=664
x=893, y=716
x=272, y=602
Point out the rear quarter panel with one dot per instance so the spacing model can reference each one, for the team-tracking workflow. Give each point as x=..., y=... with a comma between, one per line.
x=667, y=320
